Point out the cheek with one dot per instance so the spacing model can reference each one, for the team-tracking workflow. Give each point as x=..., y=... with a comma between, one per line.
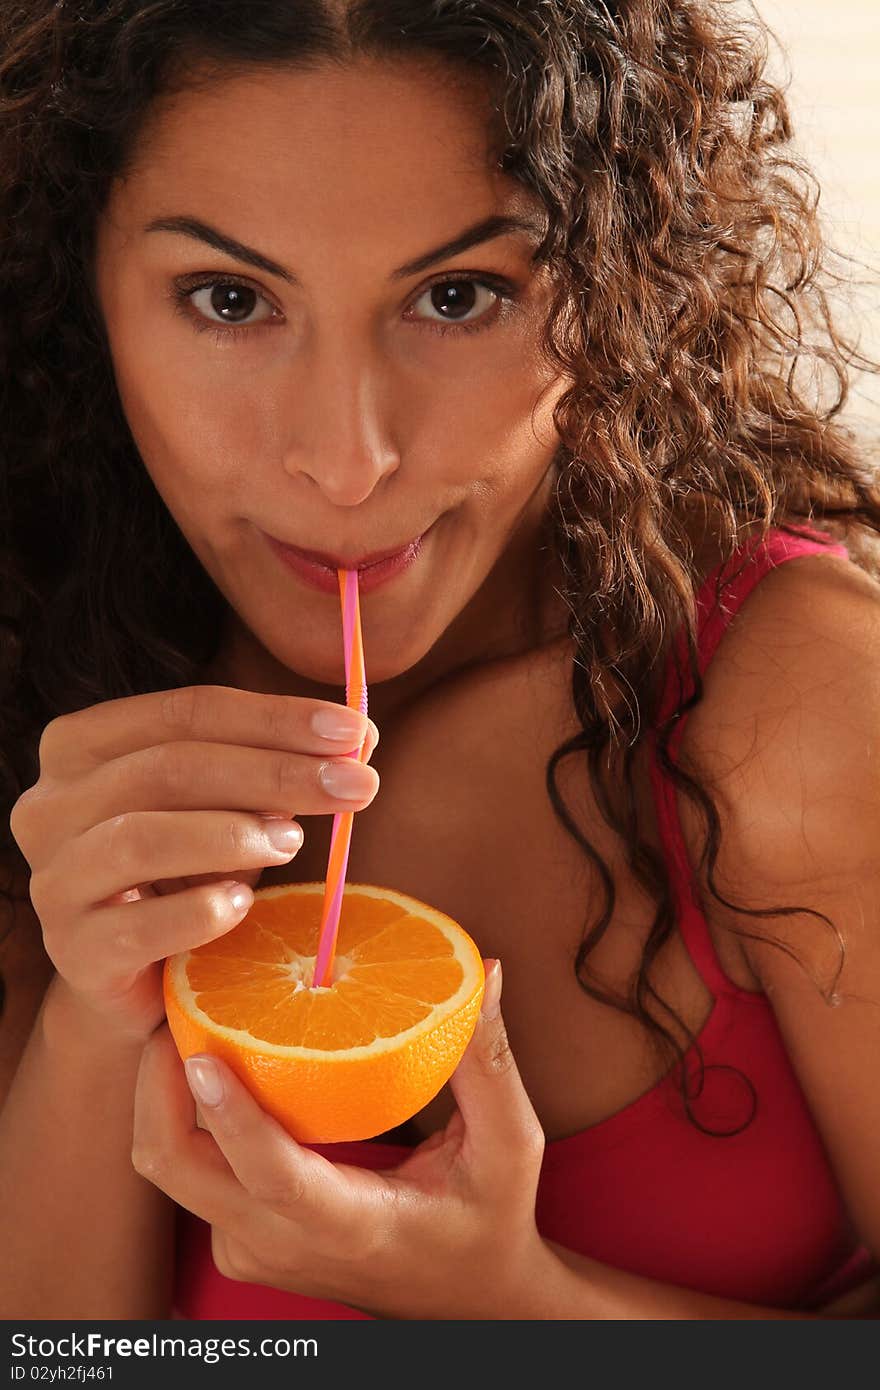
x=196, y=421
x=495, y=417
x=193, y=438
x=513, y=436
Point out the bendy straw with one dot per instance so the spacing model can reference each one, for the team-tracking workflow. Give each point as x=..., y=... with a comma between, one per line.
x=340, y=837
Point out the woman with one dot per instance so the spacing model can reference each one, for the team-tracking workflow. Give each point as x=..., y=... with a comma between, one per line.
x=533, y=287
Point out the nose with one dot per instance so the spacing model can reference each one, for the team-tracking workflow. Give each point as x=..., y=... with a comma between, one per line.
x=338, y=430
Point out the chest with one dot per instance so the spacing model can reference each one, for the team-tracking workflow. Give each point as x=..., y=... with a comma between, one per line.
x=464, y=820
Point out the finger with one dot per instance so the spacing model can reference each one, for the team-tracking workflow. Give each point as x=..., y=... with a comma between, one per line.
x=270, y=1165
x=146, y=846
x=116, y=942
x=184, y=1161
x=85, y=739
x=502, y=1133
x=165, y=887
x=184, y=776
x=170, y=1150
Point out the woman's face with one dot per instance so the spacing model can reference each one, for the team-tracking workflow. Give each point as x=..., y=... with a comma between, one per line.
x=336, y=402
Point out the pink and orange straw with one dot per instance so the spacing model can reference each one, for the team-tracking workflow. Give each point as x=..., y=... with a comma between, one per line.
x=340, y=838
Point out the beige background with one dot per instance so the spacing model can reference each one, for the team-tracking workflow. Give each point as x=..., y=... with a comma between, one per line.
x=832, y=54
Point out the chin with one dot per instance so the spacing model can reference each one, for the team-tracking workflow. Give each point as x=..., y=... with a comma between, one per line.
x=383, y=661
x=379, y=669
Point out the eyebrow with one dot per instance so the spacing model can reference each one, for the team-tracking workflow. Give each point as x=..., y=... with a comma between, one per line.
x=485, y=230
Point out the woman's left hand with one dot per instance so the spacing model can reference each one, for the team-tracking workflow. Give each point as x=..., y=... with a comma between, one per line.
x=448, y=1233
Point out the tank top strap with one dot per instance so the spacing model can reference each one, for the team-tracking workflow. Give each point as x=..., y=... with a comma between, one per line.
x=720, y=596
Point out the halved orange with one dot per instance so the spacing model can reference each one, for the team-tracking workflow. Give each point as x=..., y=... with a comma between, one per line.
x=349, y=1060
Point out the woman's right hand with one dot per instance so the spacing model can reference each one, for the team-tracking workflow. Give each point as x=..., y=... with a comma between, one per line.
x=145, y=808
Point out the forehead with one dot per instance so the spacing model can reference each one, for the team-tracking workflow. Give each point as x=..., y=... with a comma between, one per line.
x=371, y=143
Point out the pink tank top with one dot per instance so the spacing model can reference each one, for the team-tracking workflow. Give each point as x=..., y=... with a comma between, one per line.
x=756, y=1216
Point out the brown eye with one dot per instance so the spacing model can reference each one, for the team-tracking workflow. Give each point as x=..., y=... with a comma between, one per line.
x=228, y=302
x=455, y=301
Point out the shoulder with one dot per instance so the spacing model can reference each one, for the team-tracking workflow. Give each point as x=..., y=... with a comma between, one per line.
x=787, y=733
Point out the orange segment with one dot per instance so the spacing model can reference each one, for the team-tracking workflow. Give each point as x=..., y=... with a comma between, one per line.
x=387, y=1014
x=433, y=980
x=408, y=938
x=345, y=1062
x=258, y=944
x=372, y=916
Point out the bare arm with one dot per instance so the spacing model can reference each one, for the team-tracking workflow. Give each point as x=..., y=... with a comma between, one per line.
x=576, y=1287
x=83, y=1235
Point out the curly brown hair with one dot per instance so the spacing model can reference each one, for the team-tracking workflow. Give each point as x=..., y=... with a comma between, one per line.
x=692, y=275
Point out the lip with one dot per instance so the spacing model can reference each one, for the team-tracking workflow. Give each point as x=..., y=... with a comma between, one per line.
x=372, y=572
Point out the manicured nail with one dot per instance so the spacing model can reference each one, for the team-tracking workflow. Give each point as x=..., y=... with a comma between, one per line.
x=491, y=1005
x=340, y=724
x=283, y=835
x=349, y=781
x=239, y=894
x=204, y=1081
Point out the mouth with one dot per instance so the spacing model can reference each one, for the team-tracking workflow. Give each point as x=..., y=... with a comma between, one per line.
x=339, y=562
x=320, y=569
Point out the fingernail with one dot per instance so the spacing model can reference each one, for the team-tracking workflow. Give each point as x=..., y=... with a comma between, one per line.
x=350, y=781
x=375, y=731
x=285, y=836
x=204, y=1080
x=491, y=1005
x=340, y=724
x=239, y=894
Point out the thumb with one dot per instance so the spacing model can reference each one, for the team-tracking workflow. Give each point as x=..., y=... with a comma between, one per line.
x=499, y=1119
